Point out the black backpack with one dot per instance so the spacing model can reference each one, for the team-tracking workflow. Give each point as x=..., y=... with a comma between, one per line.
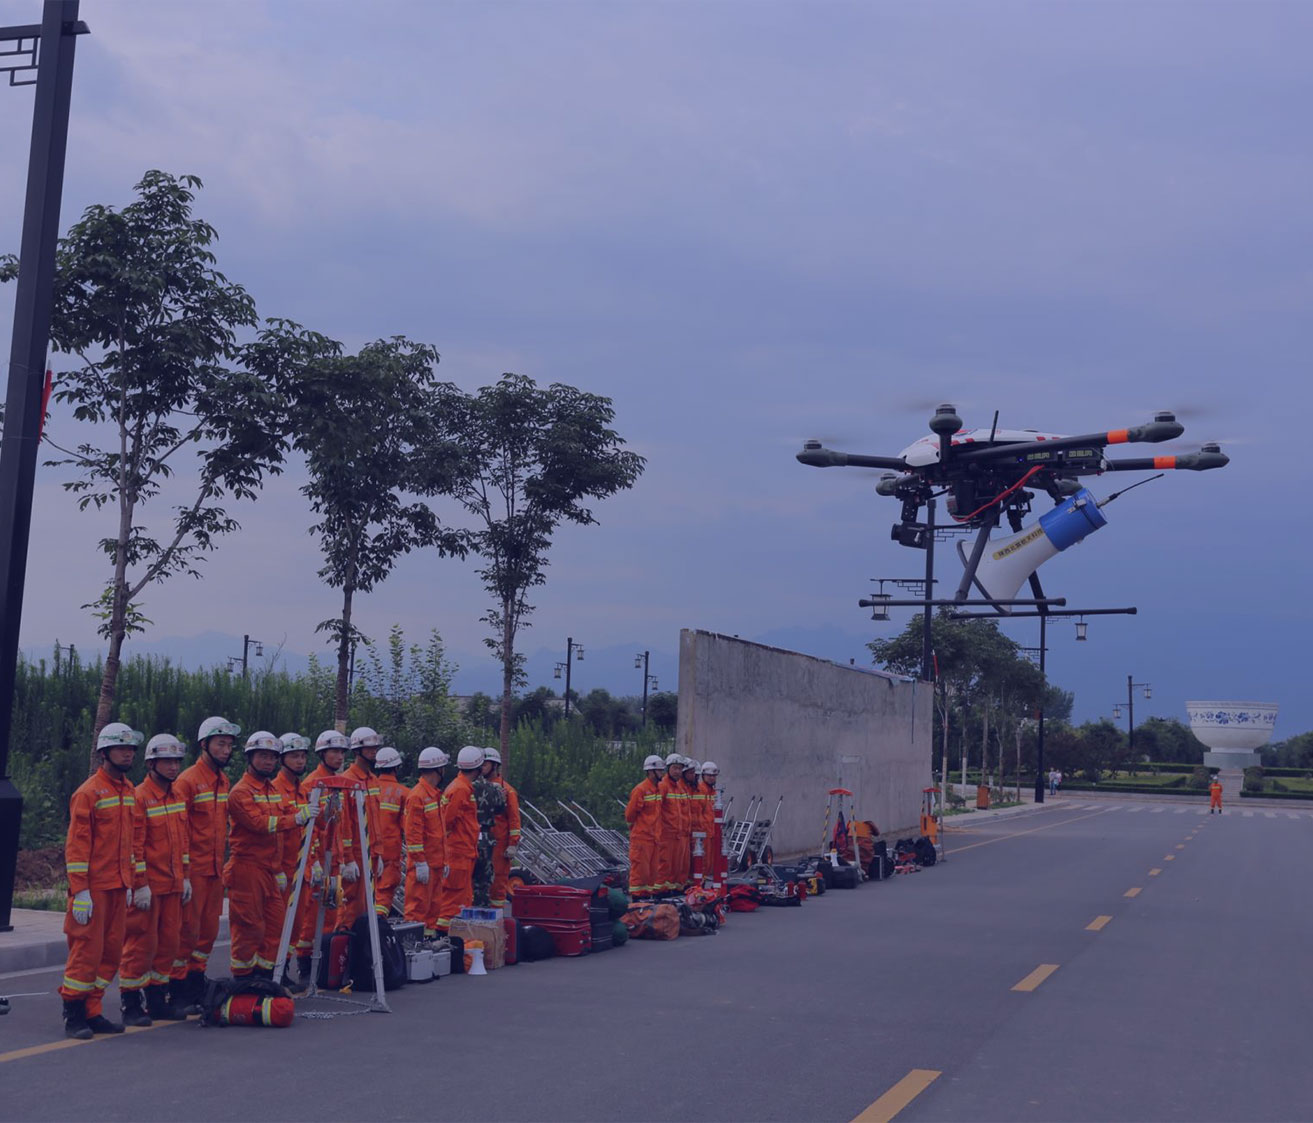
x=391, y=952
x=925, y=851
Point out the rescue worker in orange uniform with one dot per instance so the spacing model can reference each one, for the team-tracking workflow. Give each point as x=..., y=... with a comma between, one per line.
x=204, y=789
x=365, y=744
x=710, y=772
x=697, y=812
x=425, y=848
x=150, y=953
x=643, y=814
x=332, y=841
x=674, y=827
x=505, y=831
x=1215, y=795
x=293, y=756
x=99, y=859
x=392, y=795
x=262, y=825
x=460, y=824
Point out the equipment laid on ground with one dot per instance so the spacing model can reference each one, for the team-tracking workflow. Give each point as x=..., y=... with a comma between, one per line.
x=570, y=856
x=929, y=817
x=613, y=844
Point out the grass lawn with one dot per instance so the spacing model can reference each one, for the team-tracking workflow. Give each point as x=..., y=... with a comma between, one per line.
x=1291, y=784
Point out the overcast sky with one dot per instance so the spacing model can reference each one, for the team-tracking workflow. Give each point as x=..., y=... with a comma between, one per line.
x=749, y=224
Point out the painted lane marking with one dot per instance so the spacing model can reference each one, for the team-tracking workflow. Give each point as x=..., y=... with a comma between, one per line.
x=1037, y=976
x=1132, y=892
x=899, y=1096
x=1247, y=814
x=69, y=1042
x=1156, y=810
x=1098, y=924
x=1182, y=810
x=1155, y=872
x=1133, y=810
x=1269, y=814
x=1180, y=846
x=1033, y=830
x=1169, y=857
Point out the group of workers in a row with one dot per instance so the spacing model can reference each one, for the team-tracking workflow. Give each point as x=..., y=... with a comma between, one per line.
x=148, y=866
x=675, y=801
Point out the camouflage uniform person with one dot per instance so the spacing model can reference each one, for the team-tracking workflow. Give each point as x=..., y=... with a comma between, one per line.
x=489, y=801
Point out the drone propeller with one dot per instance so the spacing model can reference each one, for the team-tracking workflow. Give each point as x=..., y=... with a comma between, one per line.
x=1164, y=427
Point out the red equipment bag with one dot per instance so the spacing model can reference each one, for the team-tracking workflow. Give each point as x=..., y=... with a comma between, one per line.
x=254, y=1010
x=534, y=903
x=652, y=922
x=744, y=898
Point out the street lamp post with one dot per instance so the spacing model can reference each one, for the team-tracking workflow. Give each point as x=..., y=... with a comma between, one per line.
x=248, y=643
x=53, y=40
x=578, y=651
x=1130, y=712
x=648, y=680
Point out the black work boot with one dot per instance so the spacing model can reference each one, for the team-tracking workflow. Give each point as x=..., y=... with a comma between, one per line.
x=133, y=1014
x=158, y=1006
x=75, y=1019
x=176, y=999
x=195, y=992
x=101, y=1024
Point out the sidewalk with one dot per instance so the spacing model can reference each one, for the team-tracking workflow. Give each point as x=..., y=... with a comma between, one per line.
x=37, y=940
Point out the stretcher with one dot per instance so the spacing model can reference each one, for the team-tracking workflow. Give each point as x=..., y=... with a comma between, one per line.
x=739, y=833
x=573, y=857
x=613, y=844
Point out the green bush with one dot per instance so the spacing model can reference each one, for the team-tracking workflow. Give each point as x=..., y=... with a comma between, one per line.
x=1200, y=777
x=1253, y=781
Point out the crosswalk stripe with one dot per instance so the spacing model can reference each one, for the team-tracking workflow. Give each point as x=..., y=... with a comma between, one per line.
x=1156, y=810
x=1182, y=810
x=1270, y=814
x=1133, y=810
x=1247, y=814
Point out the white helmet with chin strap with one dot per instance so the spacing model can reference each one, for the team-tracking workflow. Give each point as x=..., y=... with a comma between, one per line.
x=164, y=746
x=365, y=738
x=217, y=727
x=263, y=740
x=492, y=755
x=710, y=768
x=294, y=743
x=387, y=758
x=471, y=756
x=653, y=762
x=118, y=734
x=330, y=739
x=433, y=757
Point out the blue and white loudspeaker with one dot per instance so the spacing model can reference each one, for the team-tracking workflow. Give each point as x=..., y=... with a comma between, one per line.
x=1009, y=561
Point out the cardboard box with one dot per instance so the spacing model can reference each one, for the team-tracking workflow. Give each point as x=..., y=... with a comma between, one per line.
x=492, y=934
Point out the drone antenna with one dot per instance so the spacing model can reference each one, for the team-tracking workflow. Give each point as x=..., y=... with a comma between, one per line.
x=993, y=428
x=1115, y=494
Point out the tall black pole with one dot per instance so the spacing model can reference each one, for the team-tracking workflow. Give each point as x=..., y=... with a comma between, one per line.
x=246, y=645
x=1039, y=736
x=569, y=650
x=645, y=655
x=927, y=640
x=27, y=368
x=1130, y=718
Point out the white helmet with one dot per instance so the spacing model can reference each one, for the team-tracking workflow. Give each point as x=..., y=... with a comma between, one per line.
x=364, y=738
x=164, y=746
x=117, y=734
x=433, y=757
x=330, y=739
x=263, y=740
x=689, y=762
x=674, y=758
x=294, y=743
x=710, y=768
x=471, y=756
x=217, y=727
x=492, y=755
x=652, y=762
x=387, y=758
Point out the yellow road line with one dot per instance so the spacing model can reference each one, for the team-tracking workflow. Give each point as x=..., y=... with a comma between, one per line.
x=69, y=1042
x=1155, y=872
x=1037, y=976
x=1180, y=846
x=1169, y=857
x=1018, y=834
x=1097, y=924
x=1132, y=892
x=899, y=1096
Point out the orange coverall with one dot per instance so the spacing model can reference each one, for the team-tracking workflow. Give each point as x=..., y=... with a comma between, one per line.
x=643, y=814
x=392, y=795
x=205, y=794
x=505, y=832
x=150, y=954
x=711, y=863
x=262, y=824
x=697, y=821
x=353, y=893
x=460, y=822
x=307, y=908
x=424, y=843
x=98, y=857
x=673, y=871
x=1215, y=797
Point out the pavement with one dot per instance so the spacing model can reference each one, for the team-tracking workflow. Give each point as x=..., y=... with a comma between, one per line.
x=1080, y=960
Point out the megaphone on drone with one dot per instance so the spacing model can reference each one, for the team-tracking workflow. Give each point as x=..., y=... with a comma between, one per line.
x=1008, y=562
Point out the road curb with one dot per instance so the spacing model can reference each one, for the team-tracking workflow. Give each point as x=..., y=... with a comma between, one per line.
x=35, y=954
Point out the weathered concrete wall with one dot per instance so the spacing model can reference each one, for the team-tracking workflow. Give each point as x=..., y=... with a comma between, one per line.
x=781, y=723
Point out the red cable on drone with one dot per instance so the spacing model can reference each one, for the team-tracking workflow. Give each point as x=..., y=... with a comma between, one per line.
x=1000, y=496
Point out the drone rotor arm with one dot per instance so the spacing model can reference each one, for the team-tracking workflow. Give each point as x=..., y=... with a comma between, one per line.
x=815, y=456
x=1191, y=462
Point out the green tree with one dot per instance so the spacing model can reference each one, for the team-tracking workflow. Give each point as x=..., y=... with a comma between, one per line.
x=1169, y=741
x=139, y=303
x=366, y=426
x=533, y=457
x=663, y=711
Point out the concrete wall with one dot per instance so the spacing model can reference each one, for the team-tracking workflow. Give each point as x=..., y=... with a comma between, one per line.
x=781, y=723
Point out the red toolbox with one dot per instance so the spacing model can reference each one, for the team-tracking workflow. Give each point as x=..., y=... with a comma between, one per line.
x=556, y=903
x=570, y=937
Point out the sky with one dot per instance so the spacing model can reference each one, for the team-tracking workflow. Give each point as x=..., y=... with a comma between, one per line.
x=749, y=224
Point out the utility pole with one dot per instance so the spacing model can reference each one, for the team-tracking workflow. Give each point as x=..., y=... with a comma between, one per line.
x=577, y=649
x=648, y=679
x=50, y=53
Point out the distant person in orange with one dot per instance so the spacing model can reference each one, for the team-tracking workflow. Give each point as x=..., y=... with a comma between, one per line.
x=1215, y=795
x=99, y=859
x=263, y=824
x=332, y=834
x=505, y=831
x=392, y=795
x=365, y=743
x=643, y=814
x=697, y=811
x=710, y=772
x=460, y=823
x=293, y=757
x=425, y=847
x=150, y=953
x=674, y=828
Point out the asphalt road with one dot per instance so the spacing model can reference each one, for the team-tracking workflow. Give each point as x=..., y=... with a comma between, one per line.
x=1190, y=1002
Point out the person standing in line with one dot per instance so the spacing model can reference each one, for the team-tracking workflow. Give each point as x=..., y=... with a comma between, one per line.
x=425, y=851
x=490, y=803
x=332, y=828
x=460, y=824
x=505, y=831
x=392, y=795
x=203, y=788
x=294, y=755
x=670, y=875
x=100, y=863
x=365, y=744
x=151, y=963
x=643, y=814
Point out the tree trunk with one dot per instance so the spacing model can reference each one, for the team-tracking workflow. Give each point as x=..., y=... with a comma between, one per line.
x=118, y=613
x=984, y=748
x=507, y=682
x=343, y=661
x=108, y=685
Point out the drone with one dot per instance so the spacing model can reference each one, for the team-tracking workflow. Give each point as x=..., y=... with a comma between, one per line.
x=993, y=475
